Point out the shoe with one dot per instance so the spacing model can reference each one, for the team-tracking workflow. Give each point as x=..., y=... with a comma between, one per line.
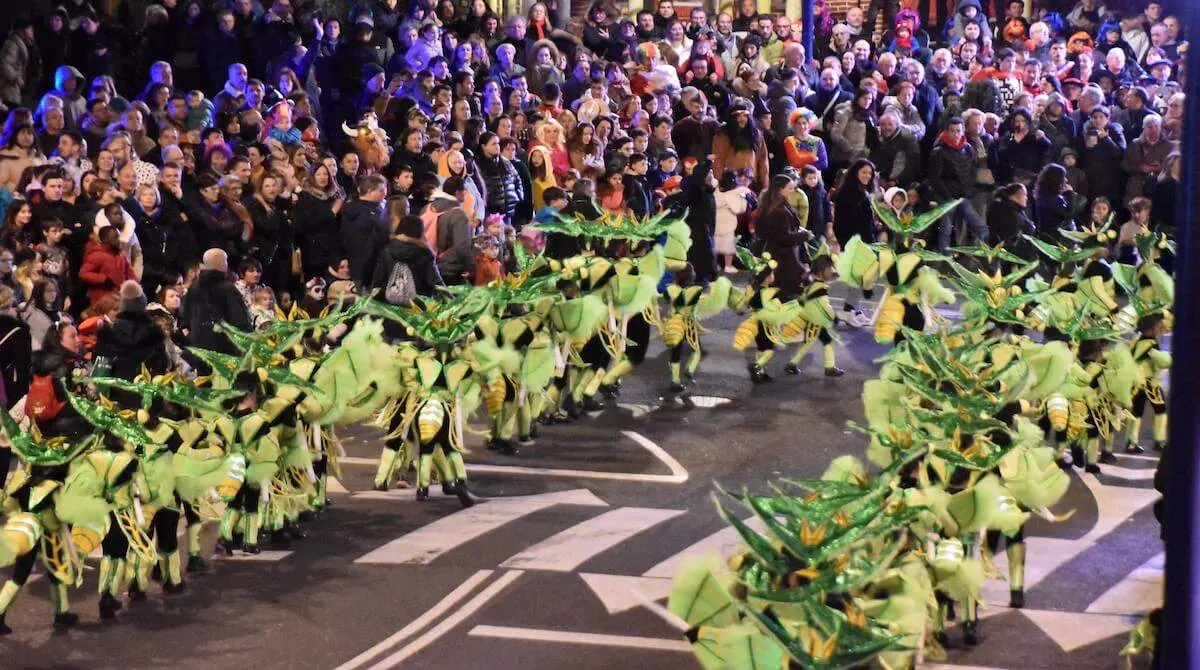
x=136, y=595
x=1160, y=446
x=174, y=589
x=508, y=448
x=1092, y=468
x=294, y=531
x=448, y=488
x=196, y=565
x=525, y=440
x=4, y=629
x=1134, y=448
x=156, y=573
x=1077, y=458
x=590, y=404
x=464, y=496
x=492, y=444
x=533, y=432
x=1064, y=463
x=970, y=633
x=307, y=517
x=730, y=271
x=1107, y=458
x=791, y=369
x=423, y=493
x=758, y=375
x=834, y=372
x=610, y=390
x=61, y=620
x=251, y=550
x=1016, y=598
x=675, y=388
x=941, y=638
x=109, y=606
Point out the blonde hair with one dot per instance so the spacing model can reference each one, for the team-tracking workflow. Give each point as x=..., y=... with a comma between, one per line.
x=147, y=187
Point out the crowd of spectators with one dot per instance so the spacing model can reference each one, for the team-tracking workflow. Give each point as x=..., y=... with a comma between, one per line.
x=189, y=162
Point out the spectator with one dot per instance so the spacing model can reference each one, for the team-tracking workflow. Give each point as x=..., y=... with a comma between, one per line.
x=952, y=166
x=105, y=267
x=133, y=342
x=1145, y=157
x=855, y=130
x=1055, y=203
x=20, y=65
x=447, y=226
x=315, y=220
x=213, y=299
x=784, y=236
x=897, y=156
x=739, y=144
x=365, y=228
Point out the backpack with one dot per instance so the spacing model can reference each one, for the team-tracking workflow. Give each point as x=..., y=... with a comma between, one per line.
x=42, y=401
x=429, y=218
x=401, y=288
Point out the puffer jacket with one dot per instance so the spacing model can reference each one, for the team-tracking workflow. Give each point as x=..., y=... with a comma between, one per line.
x=851, y=138
x=502, y=184
x=951, y=171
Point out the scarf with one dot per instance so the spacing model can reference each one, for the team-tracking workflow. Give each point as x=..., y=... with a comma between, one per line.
x=289, y=137
x=957, y=146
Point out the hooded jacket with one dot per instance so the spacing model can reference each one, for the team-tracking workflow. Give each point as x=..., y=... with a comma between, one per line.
x=103, y=270
x=74, y=104
x=417, y=256
x=212, y=299
x=364, y=232
x=455, y=253
x=501, y=183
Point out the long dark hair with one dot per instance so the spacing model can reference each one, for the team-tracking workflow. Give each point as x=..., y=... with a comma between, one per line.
x=772, y=197
x=1050, y=181
x=849, y=178
x=741, y=139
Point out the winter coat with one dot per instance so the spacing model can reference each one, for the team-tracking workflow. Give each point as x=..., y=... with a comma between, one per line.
x=103, y=270
x=851, y=138
x=1057, y=212
x=727, y=157
x=38, y=321
x=419, y=258
x=1007, y=222
x=951, y=172
x=1141, y=152
x=637, y=195
x=852, y=215
x=455, y=251
x=784, y=237
x=501, y=183
x=20, y=69
x=364, y=231
x=820, y=209
x=131, y=342
x=315, y=227
x=218, y=227
x=273, y=243
x=702, y=220
x=160, y=263
x=1102, y=166
x=730, y=205
x=15, y=358
x=1021, y=160
x=898, y=158
x=212, y=299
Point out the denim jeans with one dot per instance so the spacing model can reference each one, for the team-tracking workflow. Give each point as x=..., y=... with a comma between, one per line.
x=964, y=212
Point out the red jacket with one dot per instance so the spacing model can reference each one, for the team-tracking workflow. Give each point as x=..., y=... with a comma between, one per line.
x=103, y=270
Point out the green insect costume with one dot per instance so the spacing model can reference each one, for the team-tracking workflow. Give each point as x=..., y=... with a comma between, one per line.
x=687, y=307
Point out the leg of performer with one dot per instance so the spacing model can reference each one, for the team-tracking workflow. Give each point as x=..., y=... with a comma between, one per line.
x=1133, y=427
x=424, y=470
x=793, y=366
x=765, y=349
x=1160, y=424
x=22, y=568
x=112, y=568
x=617, y=371
x=1015, y=547
x=829, y=355
x=693, y=362
x=251, y=518
x=195, y=524
x=674, y=367
x=460, y=474
x=525, y=414
x=166, y=527
x=63, y=617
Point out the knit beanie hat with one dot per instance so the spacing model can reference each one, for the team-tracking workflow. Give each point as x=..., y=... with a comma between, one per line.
x=132, y=298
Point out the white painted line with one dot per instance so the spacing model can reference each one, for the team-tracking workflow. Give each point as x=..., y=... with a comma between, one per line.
x=1140, y=591
x=424, y=545
x=678, y=473
x=1072, y=630
x=420, y=622
x=473, y=605
x=574, y=546
x=1133, y=474
x=264, y=556
x=1115, y=504
x=619, y=593
x=723, y=542
x=334, y=486
x=587, y=639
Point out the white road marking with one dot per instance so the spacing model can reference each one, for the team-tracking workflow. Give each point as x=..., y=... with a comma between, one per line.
x=574, y=546
x=724, y=542
x=678, y=473
x=420, y=622
x=1072, y=630
x=473, y=605
x=335, y=486
x=619, y=593
x=1115, y=505
x=1140, y=591
x=264, y=556
x=586, y=639
x=424, y=545
x=1132, y=474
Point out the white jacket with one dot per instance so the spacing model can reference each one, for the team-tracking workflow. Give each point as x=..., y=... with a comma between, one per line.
x=730, y=204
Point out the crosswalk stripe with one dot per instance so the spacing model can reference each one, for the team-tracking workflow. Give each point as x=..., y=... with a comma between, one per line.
x=574, y=546
x=424, y=545
x=723, y=542
x=1139, y=592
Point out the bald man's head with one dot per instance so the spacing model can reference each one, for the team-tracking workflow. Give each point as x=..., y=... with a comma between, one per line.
x=215, y=259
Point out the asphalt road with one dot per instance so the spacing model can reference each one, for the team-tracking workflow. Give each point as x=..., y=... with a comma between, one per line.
x=541, y=574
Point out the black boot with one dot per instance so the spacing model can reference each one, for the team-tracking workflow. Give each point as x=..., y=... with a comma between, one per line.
x=196, y=565
x=251, y=549
x=791, y=369
x=109, y=606
x=1016, y=598
x=156, y=573
x=758, y=375
x=448, y=488
x=942, y=638
x=423, y=493
x=533, y=432
x=294, y=531
x=61, y=620
x=590, y=404
x=279, y=539
x=675, y=387
x=492, y=444
x=970, y=633
x=136, y=594
x=834, y=372
x=174, y=589
x=4, y=629
x=508, y=448
x=1134, y=448
x=1077, y=457
x=464, y=496
x=1107, y=458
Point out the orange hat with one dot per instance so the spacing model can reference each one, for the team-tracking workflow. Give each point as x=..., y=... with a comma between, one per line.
x=673, y=181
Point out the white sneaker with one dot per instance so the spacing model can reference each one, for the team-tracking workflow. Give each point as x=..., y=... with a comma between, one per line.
x=858, y=319
x=730, y=271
